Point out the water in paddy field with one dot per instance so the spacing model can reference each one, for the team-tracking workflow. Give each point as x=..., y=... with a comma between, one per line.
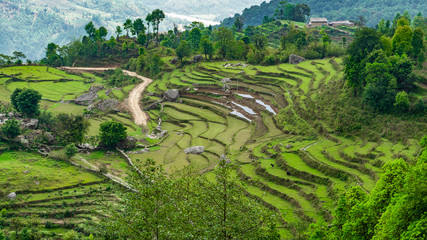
x=245, y=95
x=236, y=113
x=247, y=109
x=268, y=107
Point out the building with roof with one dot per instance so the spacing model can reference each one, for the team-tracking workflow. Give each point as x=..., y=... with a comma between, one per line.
x=318, y=22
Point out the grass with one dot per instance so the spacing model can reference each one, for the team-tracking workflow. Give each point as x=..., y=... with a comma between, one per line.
x=23, y=170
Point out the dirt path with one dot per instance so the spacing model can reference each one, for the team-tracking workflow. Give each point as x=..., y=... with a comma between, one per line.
x=139, y=116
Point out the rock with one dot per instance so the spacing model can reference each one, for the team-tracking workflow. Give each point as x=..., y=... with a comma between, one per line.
x=86, y=99
x=29, y=123
x=194, y=150
x=127, y=143
x=224, y=158
x=289, y=146
x=26, y=171
x=175, y=60
x=95, y=89
x=12, y=196
x=197, y=58
x=22, y=140
x=171, y=95
x=49, y=137
x=151, y=94
x=106, y=105
x=295, y=59
x=36, y=182
x=225, y=80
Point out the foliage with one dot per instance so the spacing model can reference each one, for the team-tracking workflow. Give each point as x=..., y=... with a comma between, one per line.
x=71, y=150
x=395, y=209
x=10, y=129
x=70, y=129
x=191, y=206
x=183, y=50
x=333, y=10
x=26, y=101
x=111, y=133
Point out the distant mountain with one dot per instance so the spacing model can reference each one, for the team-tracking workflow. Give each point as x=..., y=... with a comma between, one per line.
x=372, y=10
x=28, y=26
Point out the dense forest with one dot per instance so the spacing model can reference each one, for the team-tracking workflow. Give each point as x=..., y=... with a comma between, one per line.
x=373, y=11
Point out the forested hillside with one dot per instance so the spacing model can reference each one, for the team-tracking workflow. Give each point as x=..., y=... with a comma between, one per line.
x=40, y=22
x=372, y=10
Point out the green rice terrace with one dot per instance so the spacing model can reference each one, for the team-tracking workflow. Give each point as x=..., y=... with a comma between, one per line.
x=264, y=119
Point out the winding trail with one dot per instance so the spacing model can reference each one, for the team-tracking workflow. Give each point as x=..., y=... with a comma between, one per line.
x=139, y=116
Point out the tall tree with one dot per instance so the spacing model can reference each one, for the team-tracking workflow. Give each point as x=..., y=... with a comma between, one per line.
x=224, y=38
x=91, y=31
x=158, y=16
x=402, y=39
x=207, y=47
x=138, y=27
x=128, y=26
x=194, y=38
x=118, y=32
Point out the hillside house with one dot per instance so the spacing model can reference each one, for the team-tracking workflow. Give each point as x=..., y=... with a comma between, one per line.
x=342, y=23
x=317, y=22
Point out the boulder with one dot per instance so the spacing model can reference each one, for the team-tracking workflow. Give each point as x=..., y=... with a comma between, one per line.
x=127, y=143
x=295, y=59
x=95, y=89
x=194, y=150
x=175, y=60
x=197, y=58
x=225, y=80
x=12, y=196
x=86, y=99
x=106, y=105
x=29, y=123
x=171, y=95
x=289, y=146
x=49, y=137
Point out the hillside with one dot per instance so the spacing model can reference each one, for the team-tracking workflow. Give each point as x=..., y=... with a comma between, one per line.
x=41, y=22
x=372, y=10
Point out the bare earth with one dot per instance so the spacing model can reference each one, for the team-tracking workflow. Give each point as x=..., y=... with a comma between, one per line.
x=139, y=116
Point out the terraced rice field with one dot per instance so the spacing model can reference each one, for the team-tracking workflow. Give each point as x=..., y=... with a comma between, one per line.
x=299, y=177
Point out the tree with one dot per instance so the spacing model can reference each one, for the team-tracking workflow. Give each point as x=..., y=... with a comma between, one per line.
x=238, y=23
x=91, y=30
x=224, y=38
x=118, y=32
x=111, y=133
x=157, y=16
x=128, y=26
x=280, y=10
x=260, y=42
x=418, y=47
x=366, y=40
x=71, y=150
x=194, y=38
x=142, y=39
x=10, y=129
x=160, y=207
x=70, y=129
x=102, y=33
x=26, y=101
x=18, y=55
x=402, y=101
x=149, y=19
x=154, y=64
x=207, y=47
x=183, y=50
x=139, y=27
x=402, y=39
